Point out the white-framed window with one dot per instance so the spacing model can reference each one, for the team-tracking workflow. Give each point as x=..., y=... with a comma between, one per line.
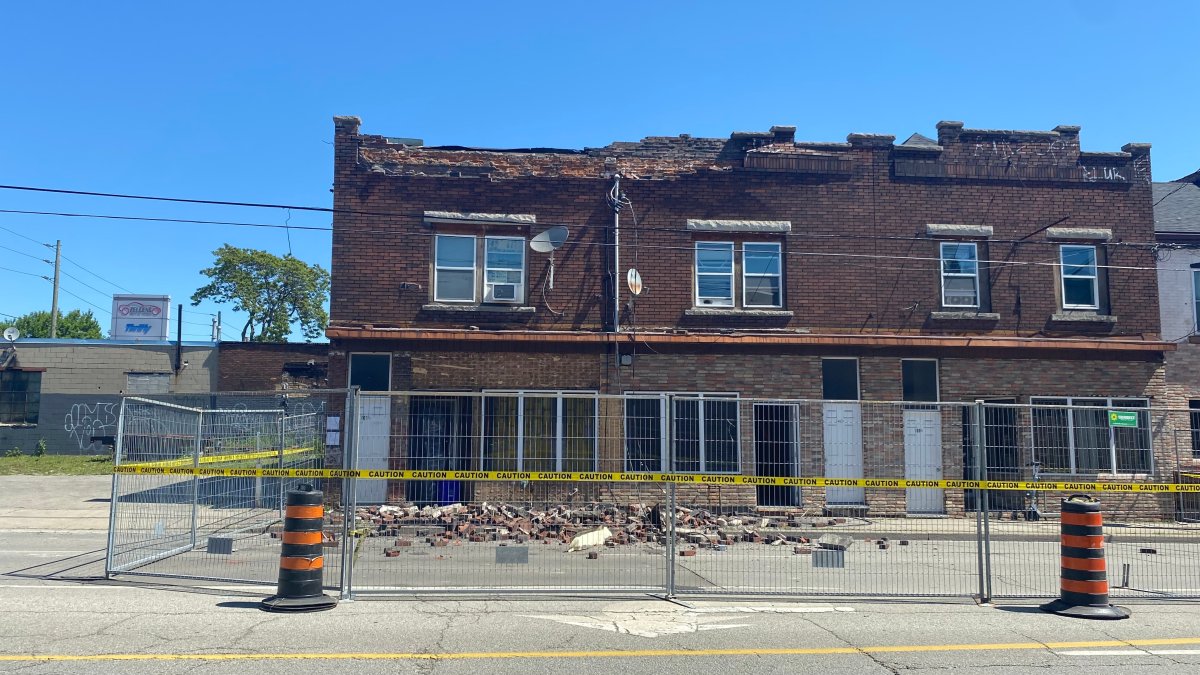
x=760, y=271
x=704, y=428
x=1073, y=435
x=503, y=269
x=462, y=261
x=1196, y=300
x=960, y=274
x=1080, y=280
x=539, y=431
x=454, y=268
x=714, y=274
x=762, y=275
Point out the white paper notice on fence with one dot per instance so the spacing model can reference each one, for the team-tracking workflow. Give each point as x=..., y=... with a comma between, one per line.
x=333, y=438
x=333, y=423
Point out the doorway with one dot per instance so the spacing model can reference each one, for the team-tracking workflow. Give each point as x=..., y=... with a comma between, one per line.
x=372, y=373
x=843, y=429
x=776, y=451
x=922, y=434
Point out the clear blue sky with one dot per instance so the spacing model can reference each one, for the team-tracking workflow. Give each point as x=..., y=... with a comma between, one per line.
x=233, y=100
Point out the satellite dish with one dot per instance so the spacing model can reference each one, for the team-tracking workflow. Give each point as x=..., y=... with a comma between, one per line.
x=12, y=333
x=550, y=240
x=634, y=281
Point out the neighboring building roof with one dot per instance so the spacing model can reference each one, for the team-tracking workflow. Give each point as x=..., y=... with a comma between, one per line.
x=1177, y=207
x=1193, y=177
x=111, y=343
x=917, y=140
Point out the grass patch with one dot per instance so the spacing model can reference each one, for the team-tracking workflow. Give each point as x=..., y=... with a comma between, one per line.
x=56, y=465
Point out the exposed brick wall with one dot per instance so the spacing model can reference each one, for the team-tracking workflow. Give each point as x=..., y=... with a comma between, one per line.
x=381, y=242
x=259, y=366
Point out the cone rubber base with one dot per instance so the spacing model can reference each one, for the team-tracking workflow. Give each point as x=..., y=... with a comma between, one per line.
x=314, y=604
x=1109, y=612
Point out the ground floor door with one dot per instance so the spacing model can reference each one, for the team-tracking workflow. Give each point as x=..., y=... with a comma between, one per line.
x=777, y=450
x=372, y=373
x=923, y=459
x=374, y=443
x=844, y=451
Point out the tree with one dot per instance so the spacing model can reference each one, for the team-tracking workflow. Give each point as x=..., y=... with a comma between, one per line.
x=73, y=324
x=274, y=291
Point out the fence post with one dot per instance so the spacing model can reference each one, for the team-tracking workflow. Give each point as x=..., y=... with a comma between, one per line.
x=667, y=408
x=196, y=476
x=982, y=507
x=112, y=501
x=349, y=499
x=282, y=487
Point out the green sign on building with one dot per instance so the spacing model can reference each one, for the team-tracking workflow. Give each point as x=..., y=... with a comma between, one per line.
x=1117, y=418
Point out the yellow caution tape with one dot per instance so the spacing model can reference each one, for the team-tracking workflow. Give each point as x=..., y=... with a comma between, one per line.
x=240, y=457
x=679, y=478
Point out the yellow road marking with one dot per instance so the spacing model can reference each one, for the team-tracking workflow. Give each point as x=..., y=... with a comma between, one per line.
x=632, y=653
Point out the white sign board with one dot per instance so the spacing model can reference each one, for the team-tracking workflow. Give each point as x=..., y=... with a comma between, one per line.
x=141, y=317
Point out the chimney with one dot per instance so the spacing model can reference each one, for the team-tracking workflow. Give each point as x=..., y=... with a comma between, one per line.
x=783, y=134
x=948, y=132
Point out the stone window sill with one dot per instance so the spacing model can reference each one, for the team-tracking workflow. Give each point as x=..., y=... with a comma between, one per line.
x=1082, y=317
x=738, y=312
x=488, y=309
x=964, y=316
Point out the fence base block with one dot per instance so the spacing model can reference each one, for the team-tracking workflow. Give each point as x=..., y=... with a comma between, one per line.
x=315, y=604
x=1109, y=612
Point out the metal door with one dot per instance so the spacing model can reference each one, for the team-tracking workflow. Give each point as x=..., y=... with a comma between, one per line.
x=374, y=442
x=923, y=459
x=844, y=451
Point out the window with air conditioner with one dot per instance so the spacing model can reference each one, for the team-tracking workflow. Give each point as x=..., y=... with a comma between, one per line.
x=468, y=268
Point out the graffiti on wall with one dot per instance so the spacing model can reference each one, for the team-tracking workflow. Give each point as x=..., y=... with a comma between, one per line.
x=85, y=421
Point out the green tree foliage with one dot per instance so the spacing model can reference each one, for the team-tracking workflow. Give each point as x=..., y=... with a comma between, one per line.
x=274, y=291
x=73, y=324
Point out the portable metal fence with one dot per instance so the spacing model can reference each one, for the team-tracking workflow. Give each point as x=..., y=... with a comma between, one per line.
x=593, y=523
x=210, y=525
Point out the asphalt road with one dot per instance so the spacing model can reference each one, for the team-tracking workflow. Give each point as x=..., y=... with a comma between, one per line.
x=57, y=618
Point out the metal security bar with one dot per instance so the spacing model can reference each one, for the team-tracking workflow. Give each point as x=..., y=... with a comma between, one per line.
x=669, y=493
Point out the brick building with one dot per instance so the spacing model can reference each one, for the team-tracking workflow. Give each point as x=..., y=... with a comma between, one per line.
x=1005, y=265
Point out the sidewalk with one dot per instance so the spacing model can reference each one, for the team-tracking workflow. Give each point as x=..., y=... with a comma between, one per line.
x=54, y=503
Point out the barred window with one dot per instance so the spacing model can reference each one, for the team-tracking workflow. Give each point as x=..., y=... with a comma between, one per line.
x=20, y=396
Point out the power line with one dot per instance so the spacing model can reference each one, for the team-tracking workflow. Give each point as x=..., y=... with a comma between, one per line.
x=187, y=221
x=31, y=274
x=214, y=202
x=111, y=283
x=24, y=237
x=85, y=283
x=84, y=300
x=27, y=255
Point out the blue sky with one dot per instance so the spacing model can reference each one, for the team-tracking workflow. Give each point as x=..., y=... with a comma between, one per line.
x=233, y=101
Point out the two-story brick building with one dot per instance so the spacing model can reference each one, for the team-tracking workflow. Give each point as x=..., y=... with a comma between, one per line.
x=1004, y=265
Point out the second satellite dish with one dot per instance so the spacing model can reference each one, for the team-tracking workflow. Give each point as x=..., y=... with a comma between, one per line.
x=548, y=242
x=634, y=281
x=12, y=333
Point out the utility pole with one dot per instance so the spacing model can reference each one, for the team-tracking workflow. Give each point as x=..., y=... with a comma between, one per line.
x=54, y=301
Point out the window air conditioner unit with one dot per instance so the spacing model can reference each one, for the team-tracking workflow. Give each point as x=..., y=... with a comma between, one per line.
x=503, y=293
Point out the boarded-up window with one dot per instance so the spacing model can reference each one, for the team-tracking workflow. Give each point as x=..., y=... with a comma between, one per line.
x=143, y=384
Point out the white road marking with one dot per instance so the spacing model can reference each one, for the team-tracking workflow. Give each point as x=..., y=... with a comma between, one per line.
x=654, y=619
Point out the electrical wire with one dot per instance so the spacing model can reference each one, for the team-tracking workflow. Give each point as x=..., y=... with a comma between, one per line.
x=87, y=285
x=27, y=255
x=31, y=274
x=24, y=237
x=111, y=283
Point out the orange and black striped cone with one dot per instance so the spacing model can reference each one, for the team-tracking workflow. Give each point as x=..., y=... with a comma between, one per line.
x=302, y=561
x=1083, y=580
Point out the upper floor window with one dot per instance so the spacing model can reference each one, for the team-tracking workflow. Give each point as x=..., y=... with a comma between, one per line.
x=716, y=271
x=960, y=274
x=1196, y=300
x=456, y=267
x=20, y=396
x=1080, y=277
